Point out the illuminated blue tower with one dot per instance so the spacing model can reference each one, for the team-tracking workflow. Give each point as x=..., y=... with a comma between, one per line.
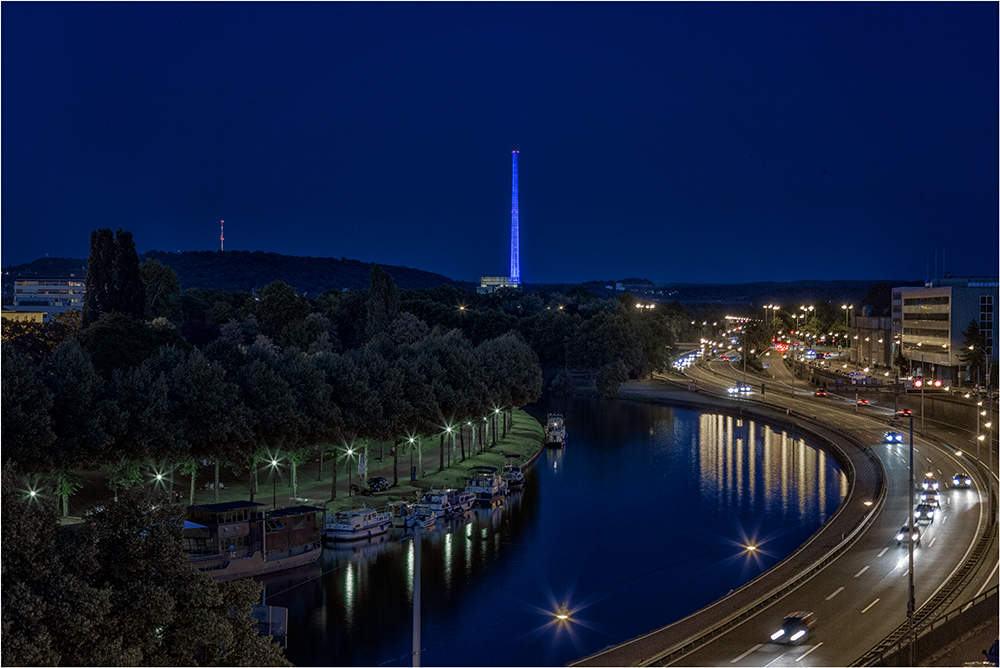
x=515, y=255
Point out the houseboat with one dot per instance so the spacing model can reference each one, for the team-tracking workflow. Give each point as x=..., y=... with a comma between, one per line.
x=486, y=483
x=240, y=539
x=356, y=523
x=555, y=431
x=512, y=475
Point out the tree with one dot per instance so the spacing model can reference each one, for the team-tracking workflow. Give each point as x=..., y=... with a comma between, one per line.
x=610, y=377
x=71, y=593
x=973, y=353
x=162, y=291
x=25, y=425
x=100, y=296
x=383, y=302
x=114, y=284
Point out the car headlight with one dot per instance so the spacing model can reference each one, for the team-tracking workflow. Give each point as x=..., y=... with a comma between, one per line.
x=798, y=634
x=777, y=634
x=899, y=536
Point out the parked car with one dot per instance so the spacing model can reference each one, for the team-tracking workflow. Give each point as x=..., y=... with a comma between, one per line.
x=378, y=484
x=795, y=628
x=961, y=480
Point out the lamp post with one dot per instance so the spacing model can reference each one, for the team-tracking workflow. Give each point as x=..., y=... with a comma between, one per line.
x=274, y=483
x=350, y=472
x=910, y=603
x=847, y=321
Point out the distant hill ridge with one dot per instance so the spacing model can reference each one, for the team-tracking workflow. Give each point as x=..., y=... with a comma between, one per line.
x=245, y=270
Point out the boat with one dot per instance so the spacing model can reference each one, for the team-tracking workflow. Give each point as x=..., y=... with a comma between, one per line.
x=512, y=475
x=487, y=484
x=555, y=431
x=239, y=539
x=405, y=515
x=447, y=502
x=356, y=523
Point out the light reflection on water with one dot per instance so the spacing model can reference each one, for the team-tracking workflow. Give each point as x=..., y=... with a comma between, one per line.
x=641, y=519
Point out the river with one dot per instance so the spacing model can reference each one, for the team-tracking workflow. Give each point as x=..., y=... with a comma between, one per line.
x=643, y=518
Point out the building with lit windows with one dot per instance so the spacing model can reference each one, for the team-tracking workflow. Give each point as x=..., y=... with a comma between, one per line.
x=929, y=324
x=47, y=294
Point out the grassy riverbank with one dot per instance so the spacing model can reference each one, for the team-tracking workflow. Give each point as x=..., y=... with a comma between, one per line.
x=523, y=441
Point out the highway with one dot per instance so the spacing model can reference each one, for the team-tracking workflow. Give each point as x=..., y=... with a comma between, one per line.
x=861, y=597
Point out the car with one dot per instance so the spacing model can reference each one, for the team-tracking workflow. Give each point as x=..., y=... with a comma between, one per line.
x=904, y=532
x=892, y=437
x=795, y=628
x=745, y=388
x=378, y=484
x=932, y=497
x=820, y=393
x=929, y=482
x=862, y=402
x=924, y=512
x=904, y=412
x=961, y=480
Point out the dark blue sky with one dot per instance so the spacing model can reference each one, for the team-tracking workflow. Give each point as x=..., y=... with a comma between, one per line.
x=704, y=142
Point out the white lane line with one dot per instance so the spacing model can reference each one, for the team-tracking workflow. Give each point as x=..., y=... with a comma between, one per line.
x=861, y=571
x=883, y=552
x=944, y=519
x=932, y=541
x=749, y=651
x=811, y=650
x=870, y=605
x=834, y=593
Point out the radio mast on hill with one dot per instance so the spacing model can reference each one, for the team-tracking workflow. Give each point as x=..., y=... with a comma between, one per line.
x=222, y=236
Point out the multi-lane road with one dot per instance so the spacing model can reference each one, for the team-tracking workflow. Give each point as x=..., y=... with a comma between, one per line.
x=861, y=597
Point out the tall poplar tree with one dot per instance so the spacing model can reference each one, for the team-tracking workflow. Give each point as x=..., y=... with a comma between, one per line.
x=114, y=284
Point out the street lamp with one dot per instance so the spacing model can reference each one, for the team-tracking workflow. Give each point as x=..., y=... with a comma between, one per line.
x=350, y=471
x=847, y=323
x=274, y=483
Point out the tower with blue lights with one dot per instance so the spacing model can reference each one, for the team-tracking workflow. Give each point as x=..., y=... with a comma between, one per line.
x=515, y=256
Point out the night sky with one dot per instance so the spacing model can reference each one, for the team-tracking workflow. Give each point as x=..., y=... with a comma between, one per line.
x=704, y=142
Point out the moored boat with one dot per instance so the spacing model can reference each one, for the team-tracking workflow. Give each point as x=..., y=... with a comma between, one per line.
x=239, y=539
x=411, y=515
x=356, y=523
x=555, y=431
x=512, y=475
x=486, y=484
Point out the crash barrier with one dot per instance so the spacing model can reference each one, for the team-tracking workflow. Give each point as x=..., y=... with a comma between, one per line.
x=933, y=634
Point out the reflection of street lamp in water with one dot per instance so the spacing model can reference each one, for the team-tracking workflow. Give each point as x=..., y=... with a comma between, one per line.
x=274, y=483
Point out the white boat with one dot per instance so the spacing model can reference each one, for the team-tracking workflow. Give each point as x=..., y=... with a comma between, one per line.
x=356, y=523
x=447, y=502
x=411, y=515
x=513, y=476
x=555, y=431
x=486, y=484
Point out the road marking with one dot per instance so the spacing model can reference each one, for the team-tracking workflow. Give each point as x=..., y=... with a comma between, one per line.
x=834, y=593
x=811, y=650
x=749, y=651
x=932, y=541
x=944, y=518
x=870, y=605
x=863, y=570
x=884, y=550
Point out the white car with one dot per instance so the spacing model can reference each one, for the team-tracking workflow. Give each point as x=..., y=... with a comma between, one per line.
x=904, y=532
